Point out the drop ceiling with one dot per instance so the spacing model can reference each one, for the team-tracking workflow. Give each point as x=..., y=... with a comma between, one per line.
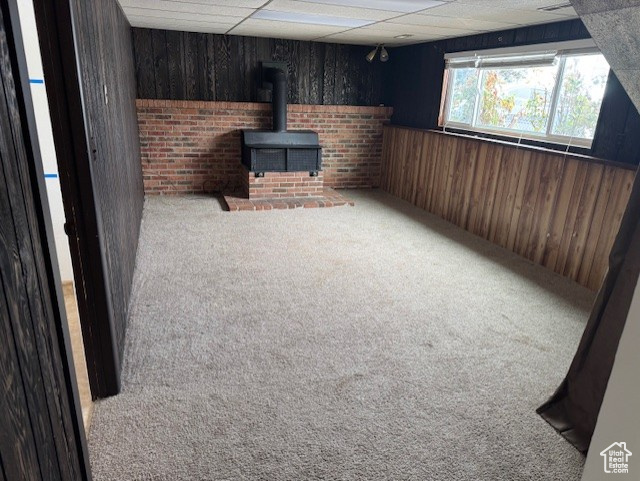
x=367, y=22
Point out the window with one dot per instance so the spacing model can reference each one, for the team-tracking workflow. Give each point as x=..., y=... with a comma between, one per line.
x=548, y=95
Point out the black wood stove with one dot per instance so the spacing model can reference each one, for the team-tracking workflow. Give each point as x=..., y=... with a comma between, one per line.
x=280, y=150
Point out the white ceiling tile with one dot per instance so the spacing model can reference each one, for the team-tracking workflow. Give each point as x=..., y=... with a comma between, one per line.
x=399, y=29
x=405, y=6
x=182, y=16
x=515, y=4
x=494, y=14
x=276, y=29
x=324, y=9
x=368, y=42
x=306, y=36
x=347, y=41
x=528, y=5
x=361, y=35
x=368, y=38
x=310, y=19
x=204, y=27
x=446, y=18
x=217, y=3
x=187, y=7
x=450, y=22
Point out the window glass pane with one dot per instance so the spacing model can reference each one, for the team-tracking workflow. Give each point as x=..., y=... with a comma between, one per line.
x=516, y=99
x=580, y=98
x=463, y=95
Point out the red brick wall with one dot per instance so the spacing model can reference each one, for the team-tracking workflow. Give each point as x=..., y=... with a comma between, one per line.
x=192, y=146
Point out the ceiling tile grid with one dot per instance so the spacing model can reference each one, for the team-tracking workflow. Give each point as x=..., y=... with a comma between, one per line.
x=392, y=22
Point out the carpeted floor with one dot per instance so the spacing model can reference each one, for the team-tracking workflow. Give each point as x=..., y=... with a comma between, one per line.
x=373, y=342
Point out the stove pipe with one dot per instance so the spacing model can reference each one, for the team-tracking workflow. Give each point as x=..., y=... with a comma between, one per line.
x=278, y=98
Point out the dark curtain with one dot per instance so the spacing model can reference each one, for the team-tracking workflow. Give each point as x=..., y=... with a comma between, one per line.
x=573, y=409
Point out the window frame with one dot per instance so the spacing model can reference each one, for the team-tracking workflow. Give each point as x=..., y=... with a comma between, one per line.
x=564, y=50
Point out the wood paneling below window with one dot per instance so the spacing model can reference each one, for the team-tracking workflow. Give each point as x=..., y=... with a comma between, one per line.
x=559, y=211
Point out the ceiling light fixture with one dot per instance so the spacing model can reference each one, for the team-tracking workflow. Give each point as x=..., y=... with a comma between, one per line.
x=404, y=35
x=311, y=19
x=371, y=55
x=384, y=55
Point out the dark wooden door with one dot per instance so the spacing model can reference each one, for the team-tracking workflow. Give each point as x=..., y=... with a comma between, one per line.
x=40, y=433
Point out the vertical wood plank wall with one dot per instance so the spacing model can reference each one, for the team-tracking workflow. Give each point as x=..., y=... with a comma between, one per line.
x=562, y=212
x=105, y=51
x=38, y=436
x=203, y=66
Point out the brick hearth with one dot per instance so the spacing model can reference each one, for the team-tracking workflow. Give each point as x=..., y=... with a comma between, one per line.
x=328, y=198
x=281, y=184
x=284, y=190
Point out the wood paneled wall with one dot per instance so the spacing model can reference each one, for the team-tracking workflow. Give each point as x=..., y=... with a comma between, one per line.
x=38, y=433
x=105, y=51
x=413, y=86
x=175, y=65
x=562, y=212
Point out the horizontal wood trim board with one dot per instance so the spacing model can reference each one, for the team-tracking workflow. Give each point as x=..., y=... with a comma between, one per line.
x=263, y=106
x=556, y=210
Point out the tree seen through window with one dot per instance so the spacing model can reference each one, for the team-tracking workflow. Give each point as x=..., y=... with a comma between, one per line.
x=559, y=100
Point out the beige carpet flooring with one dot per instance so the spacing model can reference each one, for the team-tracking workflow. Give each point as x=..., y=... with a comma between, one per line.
x=373, y=342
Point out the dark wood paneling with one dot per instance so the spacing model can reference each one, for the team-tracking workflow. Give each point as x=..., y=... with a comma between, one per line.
x=39, y=435
x=87, y=52
x=413, y=86
x=145, y=70
x=210, y=92
x=109, y=92
x=176, y=67
x=318, y=73
x=618, y=131
x=160, y=61
x=560, y=211
x=221, y=66
x=329, y=75
x=190, y=56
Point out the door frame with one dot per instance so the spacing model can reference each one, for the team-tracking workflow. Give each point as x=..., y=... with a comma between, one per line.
x=71, y=416
x=60, y=60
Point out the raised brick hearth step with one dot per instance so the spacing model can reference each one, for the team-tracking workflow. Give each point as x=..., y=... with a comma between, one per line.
x=329, y=198
x=282, y=185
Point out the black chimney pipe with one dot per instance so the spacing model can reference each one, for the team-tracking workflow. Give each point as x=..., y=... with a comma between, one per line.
x=278, y=98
